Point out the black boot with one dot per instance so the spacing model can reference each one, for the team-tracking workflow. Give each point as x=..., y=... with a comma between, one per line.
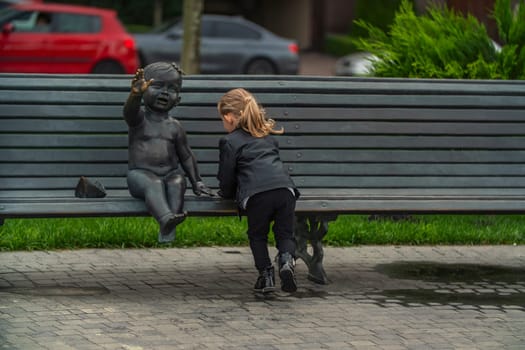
x=286, y=272
x=266, y=281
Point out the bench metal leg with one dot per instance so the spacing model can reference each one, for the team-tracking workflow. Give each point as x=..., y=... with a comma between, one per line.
x=312, y=228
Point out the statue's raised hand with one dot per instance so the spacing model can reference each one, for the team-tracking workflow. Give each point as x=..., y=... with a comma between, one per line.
x=139, y=84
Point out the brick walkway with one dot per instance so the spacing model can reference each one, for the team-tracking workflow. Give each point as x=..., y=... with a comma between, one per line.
x=380, y=298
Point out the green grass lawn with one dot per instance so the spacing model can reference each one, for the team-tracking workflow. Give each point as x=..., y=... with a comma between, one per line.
x=347, y=230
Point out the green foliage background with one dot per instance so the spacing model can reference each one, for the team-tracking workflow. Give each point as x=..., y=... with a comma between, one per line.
x=445, y=44
x=136, y=12
x=379, y=13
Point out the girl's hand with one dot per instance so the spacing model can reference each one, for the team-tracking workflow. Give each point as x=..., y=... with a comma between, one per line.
x=138, y=84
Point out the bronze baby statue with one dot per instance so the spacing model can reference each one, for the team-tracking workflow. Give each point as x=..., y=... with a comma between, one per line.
x=158, y=145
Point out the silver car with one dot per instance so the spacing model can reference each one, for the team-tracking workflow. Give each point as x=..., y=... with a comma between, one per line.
x=229, y=45
x=361, y=63
x=355, y=64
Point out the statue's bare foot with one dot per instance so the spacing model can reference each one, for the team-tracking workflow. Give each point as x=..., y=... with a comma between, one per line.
x=167, y=227
x=167, y=238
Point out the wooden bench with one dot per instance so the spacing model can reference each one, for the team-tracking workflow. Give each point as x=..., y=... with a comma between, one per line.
x=352, y=145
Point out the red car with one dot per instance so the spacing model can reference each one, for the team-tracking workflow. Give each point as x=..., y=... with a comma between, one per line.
x=54, y=38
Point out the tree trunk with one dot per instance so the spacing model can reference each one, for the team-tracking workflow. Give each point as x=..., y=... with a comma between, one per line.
x=157, y=13
x=318, y=25
x=190, y=60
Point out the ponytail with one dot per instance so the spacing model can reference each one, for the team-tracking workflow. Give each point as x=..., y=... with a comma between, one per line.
x=251, y=117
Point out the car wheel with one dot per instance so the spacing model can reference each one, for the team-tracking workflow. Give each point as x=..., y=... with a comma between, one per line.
x=260, y=66
x=108, y=67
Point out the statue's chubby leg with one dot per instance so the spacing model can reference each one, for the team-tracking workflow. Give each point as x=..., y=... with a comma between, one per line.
x=148, y=186
x=175, y=189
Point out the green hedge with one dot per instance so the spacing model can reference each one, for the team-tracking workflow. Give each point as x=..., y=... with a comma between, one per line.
x=339, y=45
x=445, y=44
x=379, y=13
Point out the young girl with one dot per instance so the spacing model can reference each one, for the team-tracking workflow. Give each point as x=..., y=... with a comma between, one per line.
x=251, y=171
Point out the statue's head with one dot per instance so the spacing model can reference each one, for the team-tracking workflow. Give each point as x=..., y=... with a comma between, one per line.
x=163, y=93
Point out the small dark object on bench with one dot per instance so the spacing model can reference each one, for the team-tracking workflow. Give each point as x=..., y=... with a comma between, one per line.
x=87, y=188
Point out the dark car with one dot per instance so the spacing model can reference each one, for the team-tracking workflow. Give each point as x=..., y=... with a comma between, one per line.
x=40, y=37
x=229, y=45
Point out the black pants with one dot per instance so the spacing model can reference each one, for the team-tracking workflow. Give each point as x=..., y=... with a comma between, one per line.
x=278, y=206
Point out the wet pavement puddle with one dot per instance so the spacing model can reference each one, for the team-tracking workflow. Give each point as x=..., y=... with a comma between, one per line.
x=461, y=286
x=465, y=286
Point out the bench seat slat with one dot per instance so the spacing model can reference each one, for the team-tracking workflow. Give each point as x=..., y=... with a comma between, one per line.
x=213, y=207
x=28, y=196
x=325, y=181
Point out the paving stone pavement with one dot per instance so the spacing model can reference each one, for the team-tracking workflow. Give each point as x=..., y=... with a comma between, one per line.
x=380, y=297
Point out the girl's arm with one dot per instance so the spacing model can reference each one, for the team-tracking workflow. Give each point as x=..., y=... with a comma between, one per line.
x=227, y=166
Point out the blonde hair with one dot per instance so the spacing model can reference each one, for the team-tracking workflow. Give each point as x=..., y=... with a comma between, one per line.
x=251, y=117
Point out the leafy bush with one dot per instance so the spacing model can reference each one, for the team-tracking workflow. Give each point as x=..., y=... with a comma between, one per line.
x=446, y=44
x=439, y=44
x=339, y=45
x=511, y=30
x=379, y=13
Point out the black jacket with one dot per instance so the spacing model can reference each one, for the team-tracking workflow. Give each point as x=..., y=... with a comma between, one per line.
x=250, y=165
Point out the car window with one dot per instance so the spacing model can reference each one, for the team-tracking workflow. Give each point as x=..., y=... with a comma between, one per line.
x=6, y=14
x=42, y=23
x=34, y=21
x=234, y=30
x=22, y=21
x=74, y=23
